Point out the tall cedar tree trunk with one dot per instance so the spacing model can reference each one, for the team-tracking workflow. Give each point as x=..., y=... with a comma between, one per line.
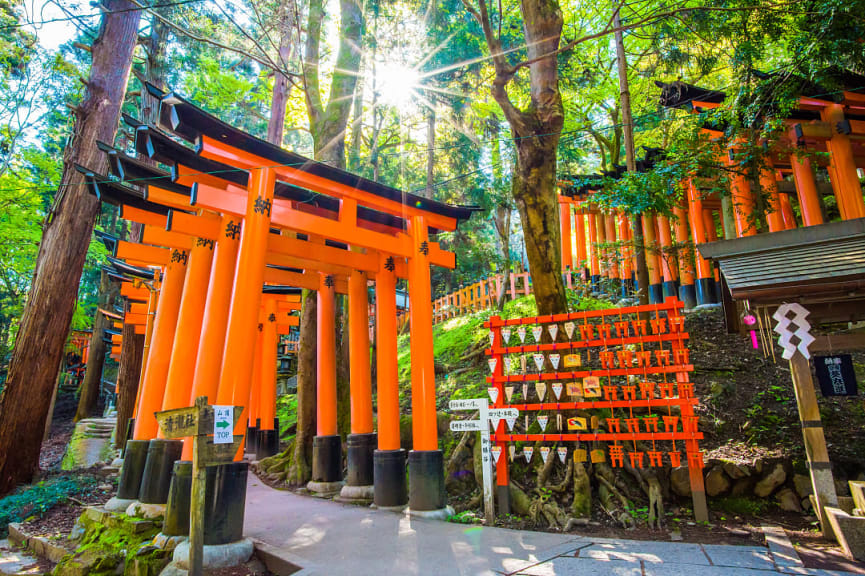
x=128, y=375
x=66, y=235
x=328, y=126
x=430, y=152
x=281, y=85
x=88, y=400
x=630, y=158
x=536, y=133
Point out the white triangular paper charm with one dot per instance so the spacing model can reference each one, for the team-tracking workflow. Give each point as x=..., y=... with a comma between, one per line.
x=506, y=335
x=542, y=420
x=553, y=329
x=521, y=332
x=492, y=362
x=563, y=453
x=496, y=452
x=527, y=452
x=507, y=364
x=557, y=389
x=494, y=421
x=545, y=453
x=511, y=421
x=492, y=337
x=539, y=360
x=554, y=360
x=569, y=329
x=536, y=332
x=494, y=394
x=541, y=390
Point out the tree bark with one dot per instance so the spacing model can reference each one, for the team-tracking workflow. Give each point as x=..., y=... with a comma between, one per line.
x=536, y=132
x=281, y=85
x=301, y=466
x=430, y=152
x=128, y=376
x=89, y=397
x=630, y=159
x=59, y=263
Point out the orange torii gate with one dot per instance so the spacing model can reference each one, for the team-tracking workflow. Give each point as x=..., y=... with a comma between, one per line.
x=305, y=224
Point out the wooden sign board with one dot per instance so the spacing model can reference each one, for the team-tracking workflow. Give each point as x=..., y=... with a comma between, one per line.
x=191, y=421
x=215, y=454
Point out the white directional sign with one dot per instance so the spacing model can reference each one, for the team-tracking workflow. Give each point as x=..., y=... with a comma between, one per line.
x=468, y=404
x=223, y=424
x=467, y=425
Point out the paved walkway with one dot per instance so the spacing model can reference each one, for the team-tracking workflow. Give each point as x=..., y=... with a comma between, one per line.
x=328, y=538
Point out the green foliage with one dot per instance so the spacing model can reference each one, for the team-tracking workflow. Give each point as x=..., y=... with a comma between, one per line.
x=741, y=505
x=286, y=411
x=34, y=500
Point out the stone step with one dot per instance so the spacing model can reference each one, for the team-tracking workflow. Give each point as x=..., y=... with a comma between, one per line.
x=15, y=561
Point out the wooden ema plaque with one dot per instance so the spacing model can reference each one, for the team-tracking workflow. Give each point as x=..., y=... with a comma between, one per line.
x=615, y=379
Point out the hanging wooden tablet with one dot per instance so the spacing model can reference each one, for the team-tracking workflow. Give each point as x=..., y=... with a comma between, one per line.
x=591, y=387
x=545, y=453
x=536, y=333
x=562, y=451
x=492, y=363
x=559, y=422
x=522, y=364
x=577, y=423
x=573, y=360
x=580, y=455
x=521, y=332
x=542, y=420
x=527, y=422
x=557, y=389
x=541, y=390
x=575, y=389
x=509, y=392
x=507, y=365
x=512, y=450
x=598, y=456
x=595, y=422
x=539, y=360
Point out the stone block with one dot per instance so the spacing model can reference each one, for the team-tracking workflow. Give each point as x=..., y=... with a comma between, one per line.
x=717, y=482
x=803, y=486
x=849, y=530
x=857, y=490
x=736, y=471
x=217, y=556
x=788, y=500
x=768, y=483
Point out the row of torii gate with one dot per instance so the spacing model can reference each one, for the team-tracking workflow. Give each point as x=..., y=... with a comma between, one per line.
x=827, y=129
x=229, y=239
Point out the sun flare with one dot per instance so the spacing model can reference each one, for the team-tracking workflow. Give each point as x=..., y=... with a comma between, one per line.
x=397, y=84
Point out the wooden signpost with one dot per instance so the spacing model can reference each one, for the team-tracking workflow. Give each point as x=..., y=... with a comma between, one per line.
x=213, y=442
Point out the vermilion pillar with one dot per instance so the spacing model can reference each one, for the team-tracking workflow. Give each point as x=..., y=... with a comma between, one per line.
x=806, y=190
x=208, y=364
x=845, y=179
x=601, y=236
x=159, y=356
x=185, y=350
x=152, y=303
x=774, y=216
x=268, y=430
x=389, y=460
x=327, y=444
x=240, y=338
x=787, y=212
x=426, y=463
x=626, y=254
x=743, y=201
x=611, y=253
x=580, y=231
x=361, y=442
x=656, y=291
x=669, y=269
x=565, y=223
x=254, y=403
x=595, y=261
x=705, y=282
x=687, y=290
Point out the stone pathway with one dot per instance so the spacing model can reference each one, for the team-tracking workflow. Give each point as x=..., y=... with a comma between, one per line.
x=14, y=561
x=328, y=538
x=90, y=443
